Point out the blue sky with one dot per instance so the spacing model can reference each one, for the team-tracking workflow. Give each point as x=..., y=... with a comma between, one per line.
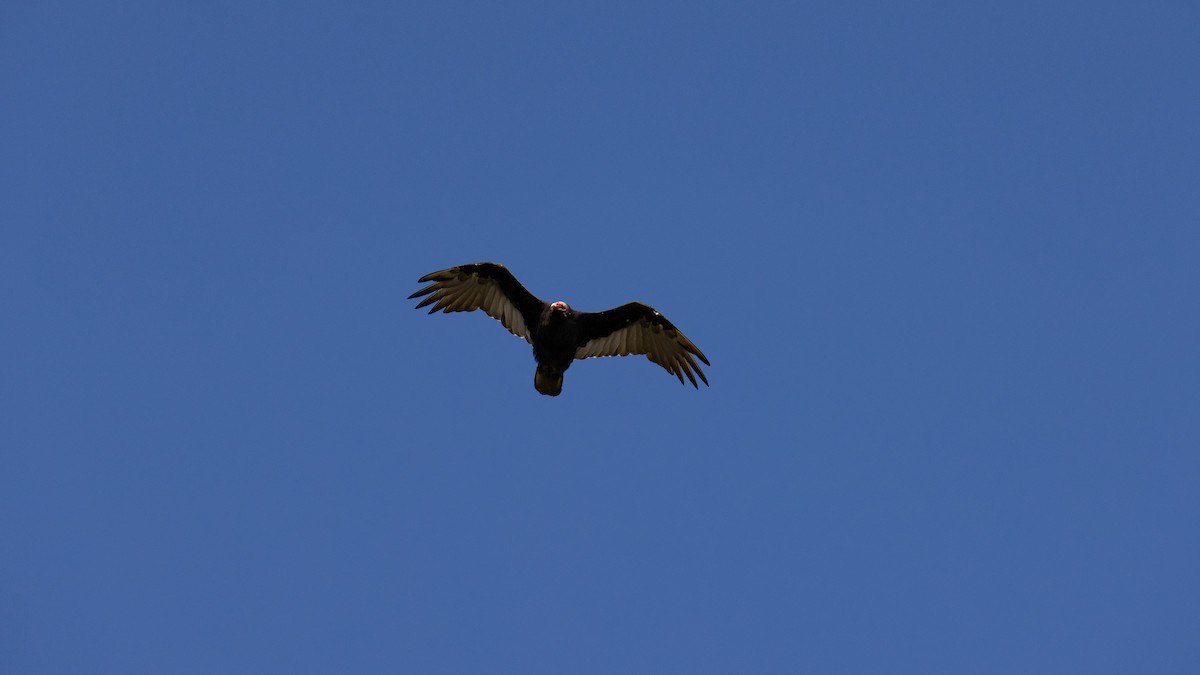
x=942, y=256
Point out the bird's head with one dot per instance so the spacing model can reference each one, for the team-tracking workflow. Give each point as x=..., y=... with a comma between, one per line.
x=560, y=306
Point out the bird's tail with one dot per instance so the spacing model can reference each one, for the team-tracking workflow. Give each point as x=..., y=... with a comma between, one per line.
x=547, y=381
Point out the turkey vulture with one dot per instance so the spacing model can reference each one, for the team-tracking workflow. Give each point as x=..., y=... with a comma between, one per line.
x=559, y=334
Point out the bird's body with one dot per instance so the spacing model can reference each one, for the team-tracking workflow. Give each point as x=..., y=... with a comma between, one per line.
x=559, y=334
x=555, y=340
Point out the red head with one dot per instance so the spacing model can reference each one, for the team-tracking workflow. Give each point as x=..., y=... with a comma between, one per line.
x=560, y=306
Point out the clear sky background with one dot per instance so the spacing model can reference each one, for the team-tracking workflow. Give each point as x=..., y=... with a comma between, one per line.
x=943, y=257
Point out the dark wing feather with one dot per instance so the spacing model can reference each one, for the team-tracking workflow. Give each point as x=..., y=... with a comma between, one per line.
x=487, y=286
x=638, y=329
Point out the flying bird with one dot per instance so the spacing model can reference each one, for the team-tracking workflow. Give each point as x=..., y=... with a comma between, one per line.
x=559, y=334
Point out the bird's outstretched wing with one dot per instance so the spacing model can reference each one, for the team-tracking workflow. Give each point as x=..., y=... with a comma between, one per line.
x=487, y=286
x=639, y=329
